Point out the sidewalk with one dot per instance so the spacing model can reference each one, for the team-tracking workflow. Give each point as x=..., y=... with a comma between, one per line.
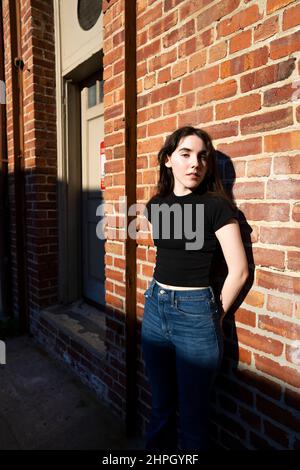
x=43, y=406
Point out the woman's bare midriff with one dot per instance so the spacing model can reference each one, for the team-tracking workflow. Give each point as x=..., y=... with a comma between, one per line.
x=166, y=286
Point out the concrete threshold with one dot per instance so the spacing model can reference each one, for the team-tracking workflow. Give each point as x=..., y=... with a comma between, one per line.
x=82, y=323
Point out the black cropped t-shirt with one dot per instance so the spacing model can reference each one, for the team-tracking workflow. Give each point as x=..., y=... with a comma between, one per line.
x=185, y=236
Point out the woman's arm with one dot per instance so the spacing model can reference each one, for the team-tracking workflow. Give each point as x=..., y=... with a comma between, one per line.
x=232, y=246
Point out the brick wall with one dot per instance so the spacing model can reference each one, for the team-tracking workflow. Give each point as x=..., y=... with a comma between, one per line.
x=8, y=83
x=114, y=108
x=39, y=110
x=230, y=67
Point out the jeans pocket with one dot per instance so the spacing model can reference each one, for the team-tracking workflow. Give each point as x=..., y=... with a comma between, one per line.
x=192, y=307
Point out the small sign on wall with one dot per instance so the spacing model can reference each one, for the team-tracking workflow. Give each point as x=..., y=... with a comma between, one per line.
x=102, y=165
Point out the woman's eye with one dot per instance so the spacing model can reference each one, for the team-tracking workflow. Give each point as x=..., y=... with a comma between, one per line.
x=185, y=154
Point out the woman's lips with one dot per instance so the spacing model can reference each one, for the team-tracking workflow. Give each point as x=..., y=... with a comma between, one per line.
x=194, y=176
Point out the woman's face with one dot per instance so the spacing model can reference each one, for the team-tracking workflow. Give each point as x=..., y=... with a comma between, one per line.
x=188, y=163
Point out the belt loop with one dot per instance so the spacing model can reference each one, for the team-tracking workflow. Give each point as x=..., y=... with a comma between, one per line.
x=172, y=298
x=212, y=294
x=151, y=287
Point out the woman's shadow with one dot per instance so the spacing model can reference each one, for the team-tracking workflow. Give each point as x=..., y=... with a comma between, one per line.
x=225, y=381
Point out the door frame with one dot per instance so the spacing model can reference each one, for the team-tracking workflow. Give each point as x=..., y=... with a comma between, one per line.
x=69, y=192
x=88, y=114
x=68, y=109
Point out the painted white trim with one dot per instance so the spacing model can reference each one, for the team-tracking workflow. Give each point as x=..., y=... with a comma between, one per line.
x=61, y=163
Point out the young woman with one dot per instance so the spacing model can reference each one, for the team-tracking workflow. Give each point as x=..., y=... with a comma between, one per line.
x=182, y=323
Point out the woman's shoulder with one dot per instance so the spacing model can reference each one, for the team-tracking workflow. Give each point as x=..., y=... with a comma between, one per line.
x=217, y=200
x=154, y=199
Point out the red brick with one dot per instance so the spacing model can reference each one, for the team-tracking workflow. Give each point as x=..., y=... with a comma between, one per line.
x=245, y=316
x=169, y=90
x=286, y=329
x=275, y=281
x=152, y=112
x=254, y=298
x=217, y=51
x=149, y=50
x=287, y=165
x=216, y=12
x=266, y=29
x=285, y=373
x=293, y=260
x=241, y=148
x=164, y=24
x=280, y=235
x=217, y=92
x=282, y=142
x=185, y=31
x=240, y=41
x=276, y=434
x=293, y=353
x=165, y=125
x=268, y=257
x=149, y=17
x=219, y=131
x=185, y=49
x=244, y=62
x=196, y=116
x=259, y=382
x=274, y=5
x=292, y=398
x=197, y=60
x=181, y=103
x=245, y=356
x=284, y=46
x=179, y=69
x=296, y=212
x=200, y=78
x=283, y=189
x=291, y=17
x=244, y=105
x=239, y=21
x=279, y=305
x=259, y=342
x=267, y=75
x=267, y=121
x=259, y=167
x=253, y=190
x=250, y=418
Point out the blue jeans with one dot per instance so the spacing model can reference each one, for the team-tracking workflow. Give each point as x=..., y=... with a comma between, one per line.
x=182, y=345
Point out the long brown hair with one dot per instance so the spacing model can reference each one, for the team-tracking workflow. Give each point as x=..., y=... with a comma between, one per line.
x=211, y=183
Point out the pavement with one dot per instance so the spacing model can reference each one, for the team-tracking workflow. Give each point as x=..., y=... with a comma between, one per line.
x=43, y=406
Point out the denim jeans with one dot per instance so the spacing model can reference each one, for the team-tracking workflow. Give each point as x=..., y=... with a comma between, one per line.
x=182, y=346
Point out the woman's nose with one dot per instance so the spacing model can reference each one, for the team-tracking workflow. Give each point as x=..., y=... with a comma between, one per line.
x=195, y=161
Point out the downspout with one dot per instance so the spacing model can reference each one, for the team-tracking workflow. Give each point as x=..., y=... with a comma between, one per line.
x=130, y=192
x=5, y=298
x=18, y=148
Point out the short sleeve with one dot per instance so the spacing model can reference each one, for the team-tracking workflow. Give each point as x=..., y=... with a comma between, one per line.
x=222, y=212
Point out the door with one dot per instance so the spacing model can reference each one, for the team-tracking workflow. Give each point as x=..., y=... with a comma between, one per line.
x=92, y=126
